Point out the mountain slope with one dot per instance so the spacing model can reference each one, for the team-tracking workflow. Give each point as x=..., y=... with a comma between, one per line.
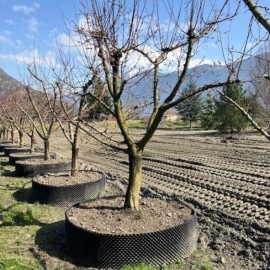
x=140, y=89
x=8, y=84
x=141, y=92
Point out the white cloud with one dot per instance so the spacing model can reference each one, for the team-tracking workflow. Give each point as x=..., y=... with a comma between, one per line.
x=7, y=33
x=29, y=57
x=4, y=40
x=25, y=9
x=72, y=44
x=33, y=25
x=9, y=21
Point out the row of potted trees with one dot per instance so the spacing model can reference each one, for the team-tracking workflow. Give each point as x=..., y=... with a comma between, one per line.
x=123, y=48
x=52, y=184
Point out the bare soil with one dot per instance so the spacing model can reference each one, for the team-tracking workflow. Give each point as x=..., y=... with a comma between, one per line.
x=108, y=216
x=42, y=161
x=26, y=154
x=65, y=179
x=225, y=177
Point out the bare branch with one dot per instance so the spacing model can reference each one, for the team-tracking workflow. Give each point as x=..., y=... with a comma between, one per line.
x=258, y=15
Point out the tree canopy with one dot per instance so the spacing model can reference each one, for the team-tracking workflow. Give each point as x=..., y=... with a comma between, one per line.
x=190, y=109
x=228, y=117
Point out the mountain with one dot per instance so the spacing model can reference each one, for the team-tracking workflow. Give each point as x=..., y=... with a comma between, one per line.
x=140, y=90
x=8, y=84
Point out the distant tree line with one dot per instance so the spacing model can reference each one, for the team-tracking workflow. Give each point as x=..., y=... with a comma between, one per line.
x=216, y=112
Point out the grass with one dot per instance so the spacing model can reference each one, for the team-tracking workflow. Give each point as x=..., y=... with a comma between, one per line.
x=21, y=221
x=140, y=124
x=197, y=261
x=31, y=234
x=17, y=263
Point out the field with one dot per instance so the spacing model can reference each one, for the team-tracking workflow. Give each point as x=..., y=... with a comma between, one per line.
x=226, y=178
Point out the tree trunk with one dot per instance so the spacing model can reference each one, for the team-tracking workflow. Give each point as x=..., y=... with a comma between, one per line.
x=46, y=149
x=74, y=160
x=32, y=142
x=5, y=134
x=134, y=183
x=12, y=136
x=20, y=138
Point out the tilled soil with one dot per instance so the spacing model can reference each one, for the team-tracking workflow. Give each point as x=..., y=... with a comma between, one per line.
x=226, y=178
x=154, y=215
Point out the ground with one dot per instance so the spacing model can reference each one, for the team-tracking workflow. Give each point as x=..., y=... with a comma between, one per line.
x=226, y=179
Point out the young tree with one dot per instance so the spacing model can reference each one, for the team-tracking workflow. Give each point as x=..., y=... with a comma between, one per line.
x=5, y=125
x=42, y=104
x=71, y=115
x=228, y=117
x=132, y=45
x=208, y=120
x=190, y=109
x=14, y=115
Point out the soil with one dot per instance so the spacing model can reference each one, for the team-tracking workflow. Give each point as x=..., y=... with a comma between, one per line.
x=19, y=148
x=42, y=161
x=26, y=154
x=65, y=179
x=225, y=177
x=108, y=216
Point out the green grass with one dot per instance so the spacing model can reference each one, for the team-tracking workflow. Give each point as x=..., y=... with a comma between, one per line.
x=17, y=263
x=29, y=232
x=137, y=124
x=197, y=261
x=20, y=221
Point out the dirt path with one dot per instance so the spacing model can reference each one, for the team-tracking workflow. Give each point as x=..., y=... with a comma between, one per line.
x=226, y=178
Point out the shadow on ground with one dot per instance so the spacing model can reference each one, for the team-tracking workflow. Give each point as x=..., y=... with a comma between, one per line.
x=50, y=238
x=24, y=195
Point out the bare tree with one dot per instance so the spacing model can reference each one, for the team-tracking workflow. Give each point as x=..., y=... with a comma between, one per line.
x=43, y=102
x=69, y=119
x=21, y=104
x=132, y=46
x=5, y=124
x=14, y=115
x=7, y=127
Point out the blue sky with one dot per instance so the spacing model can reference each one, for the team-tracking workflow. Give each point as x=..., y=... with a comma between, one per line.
x=32, y=27
x=26, y=25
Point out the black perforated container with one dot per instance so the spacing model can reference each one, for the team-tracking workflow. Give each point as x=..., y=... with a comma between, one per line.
x=7, y=145
x=69, y=194
x=113, y=251
x=23, y=169
x=13, y=150
x=13, y=158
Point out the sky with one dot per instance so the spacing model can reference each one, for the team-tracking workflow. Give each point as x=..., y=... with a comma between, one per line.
x=29, y=28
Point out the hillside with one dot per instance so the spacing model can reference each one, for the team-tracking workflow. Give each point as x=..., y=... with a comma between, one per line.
x=8, y=84
x=202, y=75
x=140, y=89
